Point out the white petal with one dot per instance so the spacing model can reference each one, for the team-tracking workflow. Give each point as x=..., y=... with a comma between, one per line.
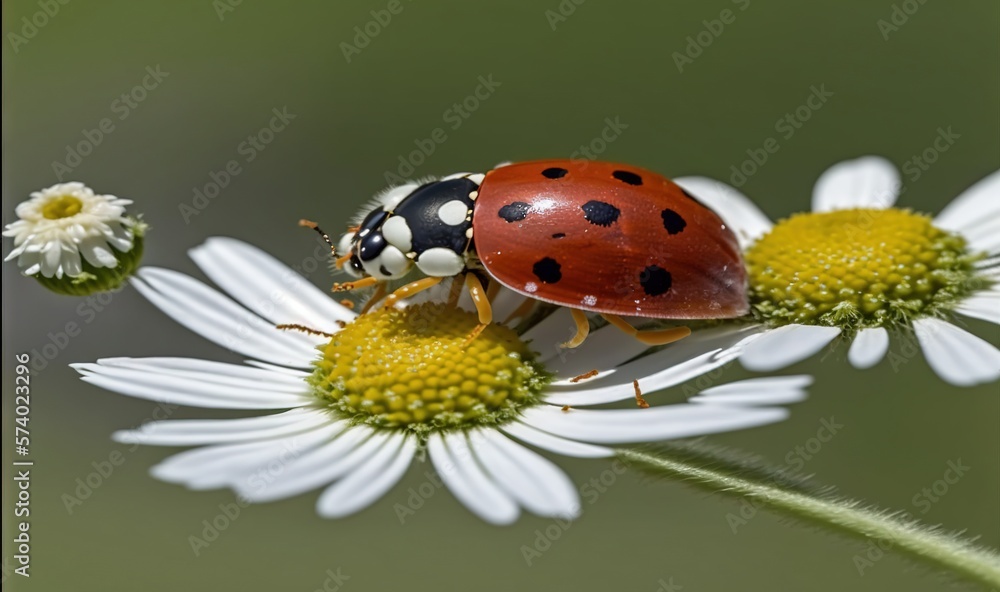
x=957, y=356
x=185, y=391
x=319, y=466
x=737, y=210
x=985, y=236
x=455, y=464
x=555, y=444
x=552, y=331
x=678, y=362
x=604, y=349
x=536, y=483
x=784, y=346
x=777, y=390
x=268, y=287
x=220, y=320
x=984, y=305
x=216, y=466
x=869, y=347
x=370, y=481
x=974, y=207
x=621, y=426
x=188, y=432
x=233, y=375
x=866, y=182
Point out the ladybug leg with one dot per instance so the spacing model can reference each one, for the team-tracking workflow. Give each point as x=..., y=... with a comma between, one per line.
x=479, y=298
x=379, y=294
x=412, y=288
x=521, y=311
x=582, y=328
x=492, y=290
x=356, y=285
x=651, y=337
x=455, y=293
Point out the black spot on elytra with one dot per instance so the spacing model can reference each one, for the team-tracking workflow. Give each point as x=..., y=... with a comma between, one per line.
x=554, y=173
x=655, y=280
x=559, y=235
x=514, y=212
x=548, y=270
x=672, y=221
x=627, y=177
x=600, y=213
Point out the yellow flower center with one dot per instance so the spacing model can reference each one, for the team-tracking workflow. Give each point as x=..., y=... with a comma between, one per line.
x=857, y=268
x=63, y=206
x=418, y=369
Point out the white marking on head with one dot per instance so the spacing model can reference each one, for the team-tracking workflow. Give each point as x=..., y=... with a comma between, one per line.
x=453, y=213
x=344, y=248
x=531, y=287
x=589, y=300
x=392, y=260
x=440, y=262
x=397, y=232
x=477, y=178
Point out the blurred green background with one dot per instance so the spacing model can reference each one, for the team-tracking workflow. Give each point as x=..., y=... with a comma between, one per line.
x=562, y=69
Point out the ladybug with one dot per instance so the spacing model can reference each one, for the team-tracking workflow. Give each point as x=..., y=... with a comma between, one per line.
x=595, y=237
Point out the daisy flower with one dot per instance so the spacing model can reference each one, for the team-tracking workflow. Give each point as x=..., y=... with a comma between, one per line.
x=354, y=400
x=860, y=269
x=74, y=241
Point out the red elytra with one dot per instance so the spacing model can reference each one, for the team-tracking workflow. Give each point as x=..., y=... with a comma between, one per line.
x=607, y=238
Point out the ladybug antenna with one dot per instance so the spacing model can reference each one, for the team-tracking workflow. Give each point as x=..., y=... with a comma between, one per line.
x=326, y=237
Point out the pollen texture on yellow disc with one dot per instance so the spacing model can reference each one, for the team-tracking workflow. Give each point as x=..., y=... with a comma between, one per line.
x=857, y=268
x=63, y=206
x=419, y=369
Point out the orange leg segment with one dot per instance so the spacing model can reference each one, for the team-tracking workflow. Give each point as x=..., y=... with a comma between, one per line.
x=582, y=328
x=412, y=288
x=365, y=282
x=379, y=294
x=479, y=298
x=650, y=337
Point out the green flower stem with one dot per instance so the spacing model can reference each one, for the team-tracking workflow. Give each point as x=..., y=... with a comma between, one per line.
x=720, y=471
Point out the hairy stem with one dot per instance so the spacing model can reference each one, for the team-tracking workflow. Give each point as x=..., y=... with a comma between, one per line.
x=729, y=473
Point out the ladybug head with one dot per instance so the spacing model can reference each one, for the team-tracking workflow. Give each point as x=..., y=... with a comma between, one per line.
x=371, y=252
